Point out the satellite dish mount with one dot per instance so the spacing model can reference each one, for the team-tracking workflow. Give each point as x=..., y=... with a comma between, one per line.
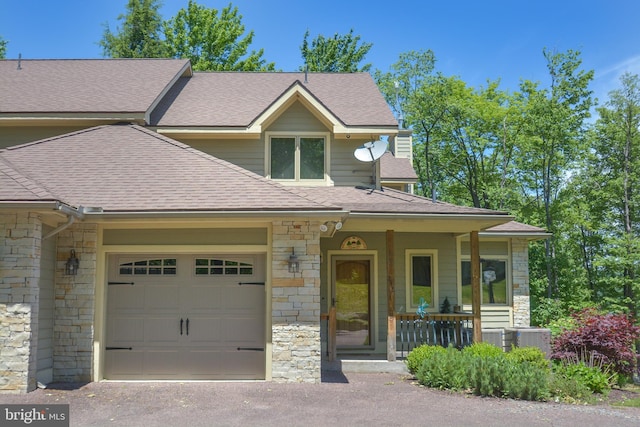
x=370, y=152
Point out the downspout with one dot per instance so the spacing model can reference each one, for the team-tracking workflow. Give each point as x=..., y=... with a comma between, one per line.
x=72, y=215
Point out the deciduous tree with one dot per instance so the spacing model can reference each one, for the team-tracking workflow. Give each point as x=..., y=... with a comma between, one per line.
x=337, y=54
x=213, y=40
x=140, y=35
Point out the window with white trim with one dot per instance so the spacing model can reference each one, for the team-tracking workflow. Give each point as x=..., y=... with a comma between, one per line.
x=494, y=280
x=421, y=277
x=297, y=157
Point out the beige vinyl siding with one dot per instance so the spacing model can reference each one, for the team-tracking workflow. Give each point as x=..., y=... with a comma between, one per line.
x=297, y=119
x=445, y=245
x=16, y=135
x=487, y=248
x=248, y=154
x=187, y=236
x=46, y=309
x=495, y=317
x=345, y=168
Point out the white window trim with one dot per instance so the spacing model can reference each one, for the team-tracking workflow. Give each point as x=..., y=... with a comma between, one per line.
x=509, y=290
x=434, y=306
x=297, y=135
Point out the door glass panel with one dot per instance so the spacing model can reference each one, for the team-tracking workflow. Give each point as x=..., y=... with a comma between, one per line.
x=353, y=300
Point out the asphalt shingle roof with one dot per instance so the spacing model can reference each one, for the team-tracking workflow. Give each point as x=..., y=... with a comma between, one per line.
x=130, y=168
x=85, y=86
x=387, y=200
x=238, y=98
x=394, y=168
x=17, y=187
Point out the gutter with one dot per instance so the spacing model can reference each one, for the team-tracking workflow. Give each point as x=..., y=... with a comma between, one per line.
x=72, y=215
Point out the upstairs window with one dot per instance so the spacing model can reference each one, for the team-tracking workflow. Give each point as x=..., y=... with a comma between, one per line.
x=297, y=157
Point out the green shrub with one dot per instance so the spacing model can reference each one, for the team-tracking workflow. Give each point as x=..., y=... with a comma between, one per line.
x=503, y=377
x=532, y=355
x=419, y=354
x=447, y=369
x=483, y=349
x=592, y=377
x=568, y=389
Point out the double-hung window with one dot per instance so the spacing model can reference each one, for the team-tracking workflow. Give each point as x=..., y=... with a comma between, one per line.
x=297, y=157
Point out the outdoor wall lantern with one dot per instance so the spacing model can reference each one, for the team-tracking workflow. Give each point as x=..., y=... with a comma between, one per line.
x=71, y=267
x=294, y=264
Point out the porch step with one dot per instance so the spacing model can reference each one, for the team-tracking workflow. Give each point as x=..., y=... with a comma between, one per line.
x=366, y=366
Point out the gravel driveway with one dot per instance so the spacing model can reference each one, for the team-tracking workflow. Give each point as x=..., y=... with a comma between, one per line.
x=351, y=400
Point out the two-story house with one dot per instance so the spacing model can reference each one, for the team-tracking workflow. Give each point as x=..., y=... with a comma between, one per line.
x=160, y=223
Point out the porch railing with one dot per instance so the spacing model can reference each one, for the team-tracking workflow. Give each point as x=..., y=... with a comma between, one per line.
x=435, y=329
x=411, y=331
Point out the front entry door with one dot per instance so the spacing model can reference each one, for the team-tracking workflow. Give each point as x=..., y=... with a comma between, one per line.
x=352, y=296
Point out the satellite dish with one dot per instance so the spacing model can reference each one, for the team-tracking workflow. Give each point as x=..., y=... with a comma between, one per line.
x=371, y=151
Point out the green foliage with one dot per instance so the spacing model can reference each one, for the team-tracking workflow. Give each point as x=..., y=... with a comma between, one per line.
x=531, y=355
x=419, y=354
x=446, y=370
x=591, y=377
x=3, y=48
x=483, y=350
x=338, y=54
x=213, y=40
x=140, y=35
x=568, y=389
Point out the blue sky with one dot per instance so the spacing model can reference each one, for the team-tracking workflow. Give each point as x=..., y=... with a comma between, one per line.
x=474, y=39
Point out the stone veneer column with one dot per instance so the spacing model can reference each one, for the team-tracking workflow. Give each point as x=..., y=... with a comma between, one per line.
x=520, y=268
x=75, y=305
x=296, y=303
x=20, y=249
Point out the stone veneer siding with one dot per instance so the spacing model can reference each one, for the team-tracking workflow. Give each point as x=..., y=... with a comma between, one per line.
x=75, y=305
x=20, y=248
x=521, y=297
x=295, y=307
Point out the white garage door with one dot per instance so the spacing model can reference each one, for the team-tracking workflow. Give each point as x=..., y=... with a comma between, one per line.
x=186, y=317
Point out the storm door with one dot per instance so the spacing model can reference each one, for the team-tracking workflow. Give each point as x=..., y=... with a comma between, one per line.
x=353, y=299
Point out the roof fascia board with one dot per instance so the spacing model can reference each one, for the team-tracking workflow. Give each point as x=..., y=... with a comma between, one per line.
x=296, y=92
x=207, y=133
x=211, y=215
x=185, y=71
x=66, y=119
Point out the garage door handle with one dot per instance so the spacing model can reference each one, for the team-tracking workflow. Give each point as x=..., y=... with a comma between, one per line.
x=187, y=326
x=181, y=320
x=250, y=349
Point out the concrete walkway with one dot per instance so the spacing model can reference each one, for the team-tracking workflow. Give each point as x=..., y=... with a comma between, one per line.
x=353, y=399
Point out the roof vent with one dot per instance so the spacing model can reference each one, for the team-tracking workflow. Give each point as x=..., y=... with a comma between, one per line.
x=19, y=61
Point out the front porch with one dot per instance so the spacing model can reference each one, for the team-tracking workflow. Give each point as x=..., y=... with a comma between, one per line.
x=405, y=332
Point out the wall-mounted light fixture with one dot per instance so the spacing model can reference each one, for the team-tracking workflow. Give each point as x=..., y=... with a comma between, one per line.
x=294, y=263
x=337, y=225
x=72, y=264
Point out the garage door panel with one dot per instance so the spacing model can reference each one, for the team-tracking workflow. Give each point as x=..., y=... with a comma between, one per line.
x=162, y=297
x=163, y=363
x=126, y=297
x=206, y=329
x=223, y=316
x=205, y=298
x=162, y=330
x=126, y=329
x=121, y=363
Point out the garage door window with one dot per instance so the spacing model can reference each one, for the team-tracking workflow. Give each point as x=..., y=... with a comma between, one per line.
x=218, y=266
x=165, y=266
